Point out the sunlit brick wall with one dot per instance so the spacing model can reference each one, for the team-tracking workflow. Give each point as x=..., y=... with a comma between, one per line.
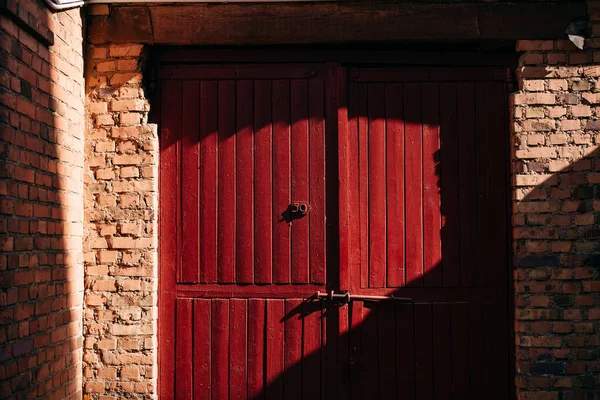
x=556, y=217
x=41, y=201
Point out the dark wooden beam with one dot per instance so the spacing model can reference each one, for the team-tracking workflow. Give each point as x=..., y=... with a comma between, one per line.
x=331, y=23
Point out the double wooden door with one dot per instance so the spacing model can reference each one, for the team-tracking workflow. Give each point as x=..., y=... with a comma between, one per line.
x=281, y=184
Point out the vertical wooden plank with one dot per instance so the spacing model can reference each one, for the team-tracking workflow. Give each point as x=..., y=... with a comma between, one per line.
x=274, y=351
x=477, y=351
x=311, y=357
x=499, y=267
x=169, y=255
x=190, y=164
x=343, y=345
x=414, y=184
x=299, y=187
x=208, y=182
x=386, y=321
x=183, y=345
x=226, y=205
x=377, y=186
x=337, y=111
x=432, y=221
x=262, y=183
x=363, y=156
x=370, y=339
x=395, y=185
x=467, y=186
x=292, y=377
x=354, y=230
x=238, y=324
x=256, y=348
x=405, y=351
x=449, y=185
x=220, y=349
x=281, y=181
x=484, y=154
x=498, y=207
x=442, y=352
x=326, y=350
x=423, y=352
x=356, y=353
x=202, y=349
x=316, y=109
x=244, y=173
x=460, y=350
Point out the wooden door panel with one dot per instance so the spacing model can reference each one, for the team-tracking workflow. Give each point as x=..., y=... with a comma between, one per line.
x=239, y=145
x=245, y=151
x=427, y=184
x=425, y=351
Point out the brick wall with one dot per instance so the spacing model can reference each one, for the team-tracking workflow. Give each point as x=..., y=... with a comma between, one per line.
x=41, y=207
x=556, y=217
x=120, y=228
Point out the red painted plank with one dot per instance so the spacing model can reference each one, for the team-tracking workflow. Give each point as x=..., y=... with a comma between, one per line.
x=190, y=164
x=183, y=346
x=244, y=182
x=483, y=129
x=292, y=377
x=169, y=251
x=325, y=350
x=386, y=327
x=363, y=154
x=256, y=348
x=377, y=186
x=449, y=185
x=405, y=351
x=370, y=344
x=460, y=349
x=395, y=185
x=423, y=352
x=467, y=185
x=208, y=182
x=498, y=207
x=337, y=111
x=356, y=353
x=275, y=349
x=202, y=346
x=354, y=179
x=442, y=352
x=220, y=349
x=432, y=221
x=226, y=205
x=238, y=323
x=477, y=350
x=344, y=346
x=414, y=184
x=311, y=358
x=299, y=186
x=281, y=181
x=262, y=183
x=316, y=109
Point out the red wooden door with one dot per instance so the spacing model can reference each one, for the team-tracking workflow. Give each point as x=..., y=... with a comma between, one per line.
x=240, y=145
x=428, y=221
x=404, y=174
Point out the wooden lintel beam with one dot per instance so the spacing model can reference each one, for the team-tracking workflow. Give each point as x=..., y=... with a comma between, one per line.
x=331, y=23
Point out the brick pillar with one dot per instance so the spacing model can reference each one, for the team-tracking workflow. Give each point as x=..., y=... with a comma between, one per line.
x=120, y=228
x=556, y=216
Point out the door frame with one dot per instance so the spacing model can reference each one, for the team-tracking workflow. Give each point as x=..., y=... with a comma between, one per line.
x=162, y=55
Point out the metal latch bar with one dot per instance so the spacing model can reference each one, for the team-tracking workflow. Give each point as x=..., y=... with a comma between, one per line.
x=347, y=297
